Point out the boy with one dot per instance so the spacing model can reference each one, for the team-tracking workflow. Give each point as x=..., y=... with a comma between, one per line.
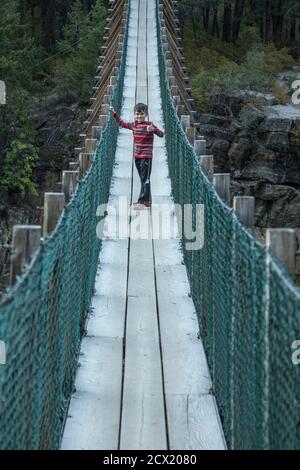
x=143, y=135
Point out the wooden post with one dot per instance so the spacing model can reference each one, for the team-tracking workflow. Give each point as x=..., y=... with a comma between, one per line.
x=200, y=147
x=207, y=166
x=174, y=90
x=90, y=145
x=244, y=208
x=106, y=99
x=96, y=132
x=85, y=161
x=191, y=135
x=105, y=108
x=69, y=182
x=176, y=101
x=103, y=118
x=180, y=109
x=185, y=121
x=113, y=80
x=172, y=80
x=222, y=186
x=25, y=242
x=53, y=206
x=282, y=243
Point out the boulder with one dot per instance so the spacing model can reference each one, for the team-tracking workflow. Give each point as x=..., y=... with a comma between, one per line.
x=217, y=132
x=274, y=123
x=282, y=212
x=227, y=104
x=275, y=205
x=239, y=153
x=215, y=120
x=256, y=161
x=219, y=149
x=251, y=117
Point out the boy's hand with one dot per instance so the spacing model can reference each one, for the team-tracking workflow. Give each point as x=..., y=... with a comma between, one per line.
x=112, y=110
x=150, y=128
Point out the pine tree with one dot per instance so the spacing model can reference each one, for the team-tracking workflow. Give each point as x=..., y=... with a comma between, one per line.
x=81, y=44
x=17, y=135
x=17, y=49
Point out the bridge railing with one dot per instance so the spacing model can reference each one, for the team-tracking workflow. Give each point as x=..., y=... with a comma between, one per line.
x=247, y=305
x=43, y=317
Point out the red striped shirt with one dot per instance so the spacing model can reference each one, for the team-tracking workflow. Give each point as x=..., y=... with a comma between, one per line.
x=143, y=140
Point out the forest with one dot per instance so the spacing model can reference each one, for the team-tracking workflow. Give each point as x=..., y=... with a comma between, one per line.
x=240, y=44
x=277, y=21
x=47, y=49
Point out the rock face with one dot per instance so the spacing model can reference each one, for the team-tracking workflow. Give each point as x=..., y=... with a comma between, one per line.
x=58, y=125
x=260, y=147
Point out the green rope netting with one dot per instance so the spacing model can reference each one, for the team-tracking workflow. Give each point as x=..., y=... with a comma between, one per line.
x=248, y=309
x=42, y=319
x=247, y=306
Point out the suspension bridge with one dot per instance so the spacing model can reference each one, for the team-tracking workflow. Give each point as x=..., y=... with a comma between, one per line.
x=126, y=342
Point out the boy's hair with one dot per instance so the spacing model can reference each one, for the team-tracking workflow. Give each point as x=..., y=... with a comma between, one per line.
x=141, y=107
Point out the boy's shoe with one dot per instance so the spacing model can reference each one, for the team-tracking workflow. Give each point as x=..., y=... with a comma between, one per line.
x=147, y=203
x=137, y=206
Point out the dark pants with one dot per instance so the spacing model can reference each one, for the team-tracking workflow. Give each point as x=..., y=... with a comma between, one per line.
x=144, y=167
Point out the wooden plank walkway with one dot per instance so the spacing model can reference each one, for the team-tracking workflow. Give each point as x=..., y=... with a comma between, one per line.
x=143, y=382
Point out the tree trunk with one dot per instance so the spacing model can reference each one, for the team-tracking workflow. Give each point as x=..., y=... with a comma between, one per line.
x=237, y=18
x=49, y=26
x=193, y=23
x=205, y=16
x=293, y=26
x=227, y=20
x=277, y=20
x=215, y=30
x=268, y=21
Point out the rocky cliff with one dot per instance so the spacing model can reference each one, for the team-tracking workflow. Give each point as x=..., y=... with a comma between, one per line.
x=260, y=147
x=58, y=125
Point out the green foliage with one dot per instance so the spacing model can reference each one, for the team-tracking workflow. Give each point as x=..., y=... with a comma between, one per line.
x=31, y=50
x=81, y=46
x=19, y=162
x=17, y=135
x=18, y=52
x=246, y=65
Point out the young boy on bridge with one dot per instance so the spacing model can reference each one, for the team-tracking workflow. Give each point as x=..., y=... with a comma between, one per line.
x=143, y=135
